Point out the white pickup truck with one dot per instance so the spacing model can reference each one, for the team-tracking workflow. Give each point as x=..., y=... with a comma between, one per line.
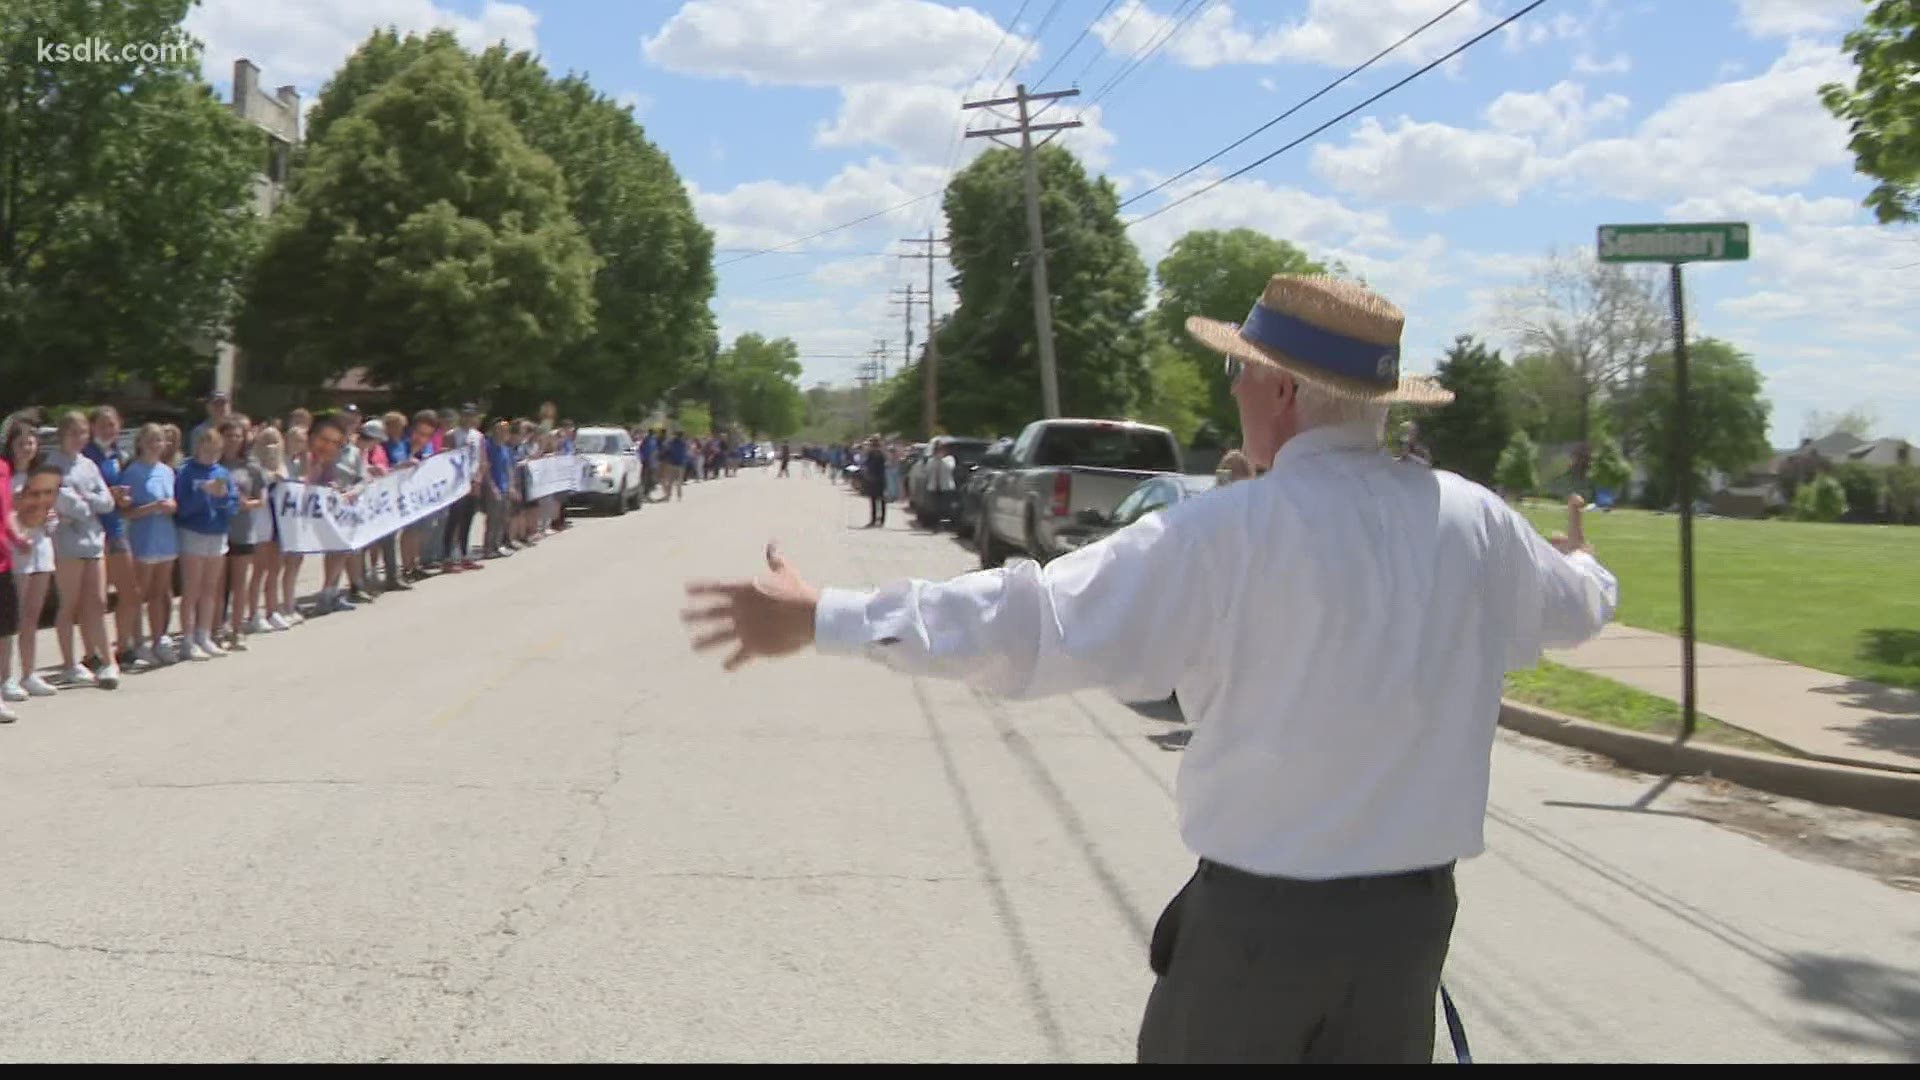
x=1062, y=480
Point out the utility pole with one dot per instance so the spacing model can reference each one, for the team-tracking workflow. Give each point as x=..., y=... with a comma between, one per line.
x=906, y=298
x=930, y=369
x=870, y=373
x=1036, y=233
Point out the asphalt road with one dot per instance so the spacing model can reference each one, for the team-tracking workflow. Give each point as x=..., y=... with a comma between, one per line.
x=510, y=816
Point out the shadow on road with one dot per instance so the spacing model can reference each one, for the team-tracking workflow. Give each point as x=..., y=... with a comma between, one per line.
x=1888, y=997
x=1641, y=805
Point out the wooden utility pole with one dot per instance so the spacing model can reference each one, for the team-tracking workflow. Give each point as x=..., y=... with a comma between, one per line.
x=906, y=298
x=1036, y=231
x=930, y=368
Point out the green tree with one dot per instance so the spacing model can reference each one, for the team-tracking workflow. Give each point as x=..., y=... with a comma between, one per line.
x=1544, y=396
x=1822, y=500
x=1518, y=471
x=125, y=205
x=1218, y=274
x=1468, y=435
x=1609, y=470
x=1903, y=494
x=1865, y=487
x=989, y=366
x=1727, y=419
x=429, y=243
x=652, y=320
x=1178, y=399
x=760, y=384
x=1882, y=108
x=692, y=417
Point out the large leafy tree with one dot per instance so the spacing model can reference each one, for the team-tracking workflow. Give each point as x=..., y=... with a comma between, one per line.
x=655, y=280
x=428, y=243
x=1219, y=274
x=1468, y=434
x=1727, y=418
x=759, y=382
x=125, y=204
x=1882, y=108
x=989, y=361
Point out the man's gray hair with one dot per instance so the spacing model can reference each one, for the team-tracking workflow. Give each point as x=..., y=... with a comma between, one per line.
x=1318, y=408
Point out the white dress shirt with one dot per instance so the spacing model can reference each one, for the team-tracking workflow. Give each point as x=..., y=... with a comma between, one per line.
x=1337, y=630
x=943, y=473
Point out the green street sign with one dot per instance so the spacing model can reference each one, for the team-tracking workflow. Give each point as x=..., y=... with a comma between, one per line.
x=1724, y=241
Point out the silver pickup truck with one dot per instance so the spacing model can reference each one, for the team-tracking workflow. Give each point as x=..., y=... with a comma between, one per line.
x=1062, y=481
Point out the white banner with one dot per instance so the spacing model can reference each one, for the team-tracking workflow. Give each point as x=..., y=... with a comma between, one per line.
x=554, y=475
x=314, y=518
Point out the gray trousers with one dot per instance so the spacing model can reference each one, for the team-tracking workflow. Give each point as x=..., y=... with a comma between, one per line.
x=1270, y=970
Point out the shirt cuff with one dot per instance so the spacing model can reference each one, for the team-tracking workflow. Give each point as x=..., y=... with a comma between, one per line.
x=840, y=626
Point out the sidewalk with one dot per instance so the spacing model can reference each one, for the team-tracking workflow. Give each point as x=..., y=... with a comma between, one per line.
x=1822, y=715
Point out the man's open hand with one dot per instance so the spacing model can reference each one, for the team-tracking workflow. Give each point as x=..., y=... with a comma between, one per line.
x=767, y=616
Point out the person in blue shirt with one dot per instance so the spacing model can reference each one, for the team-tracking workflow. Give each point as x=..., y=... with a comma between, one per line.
x=677, y=455
x=148, y=482
x=650, y=461
x=499, y=487
x=207, y=502
x=122, y=577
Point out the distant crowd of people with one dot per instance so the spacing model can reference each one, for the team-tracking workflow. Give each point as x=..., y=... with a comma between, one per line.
x=169, y=516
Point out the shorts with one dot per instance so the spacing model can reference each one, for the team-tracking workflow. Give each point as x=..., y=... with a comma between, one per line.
x=204, y=545
x=149, y=560
x=238, y=547
x=119, y=546
x=9, y=605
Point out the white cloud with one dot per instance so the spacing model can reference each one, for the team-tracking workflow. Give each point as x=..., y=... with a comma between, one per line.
x=1528, y=33
x=1745, y=204
x=303, y=43
x=827, y=42
x=1558, y=116
x=1619, y=64
x=1315, y=222
x=1436, y=166
x=1335, y=33
x=1786, y=18
x=921, y=122
x=768, y=212
x=1766, y=131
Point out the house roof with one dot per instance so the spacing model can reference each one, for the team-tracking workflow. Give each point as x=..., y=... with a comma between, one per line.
x=1880, y=452
x=1836, y=445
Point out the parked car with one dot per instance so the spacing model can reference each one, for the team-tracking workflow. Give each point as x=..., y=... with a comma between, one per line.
x=931, y=508
x=751, y=456
x=1150, y=497
x=612, y=470
x=966, y=515
x=1058, y=471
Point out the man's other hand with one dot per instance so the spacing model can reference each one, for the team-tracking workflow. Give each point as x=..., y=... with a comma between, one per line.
x=766, y=617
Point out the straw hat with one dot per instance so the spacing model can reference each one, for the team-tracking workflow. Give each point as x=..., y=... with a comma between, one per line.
x=1328, y=331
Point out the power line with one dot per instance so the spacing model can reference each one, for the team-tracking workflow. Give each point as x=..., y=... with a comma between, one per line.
x=1042, y=80
x=828, y=231
x=1173, y=31
x=1304, y=102
x=1134, y=9
x=1032, y=43
x=1005, y=33
x=1455, y=51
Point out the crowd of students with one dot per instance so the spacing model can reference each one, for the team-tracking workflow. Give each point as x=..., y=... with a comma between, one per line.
x=189, y=517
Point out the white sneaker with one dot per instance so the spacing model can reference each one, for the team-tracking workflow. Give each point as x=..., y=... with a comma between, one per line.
x=77, y=676
x=165, y=653
x=235, y=643
x=258, y=625
x=37, y=686
x=196, y=653
x=275, y=622
x=294, y=618
x=10, y=691
x=208, y=645
x=143, y=655
x=7, y=716
x=109, y=677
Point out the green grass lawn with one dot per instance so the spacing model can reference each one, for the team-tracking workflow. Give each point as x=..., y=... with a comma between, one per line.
x=1603, y=701
x=1842, y=598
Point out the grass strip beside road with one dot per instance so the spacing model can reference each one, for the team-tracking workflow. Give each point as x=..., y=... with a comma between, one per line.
x=1603, y=701
x=1839, y=598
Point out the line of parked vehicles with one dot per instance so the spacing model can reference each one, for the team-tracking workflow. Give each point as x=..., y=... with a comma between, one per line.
x=1057, y=487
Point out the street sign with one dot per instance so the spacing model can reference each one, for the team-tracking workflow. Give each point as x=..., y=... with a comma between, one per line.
x=1724, y=241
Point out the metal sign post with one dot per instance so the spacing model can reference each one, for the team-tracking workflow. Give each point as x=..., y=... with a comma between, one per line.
x=1677, y=245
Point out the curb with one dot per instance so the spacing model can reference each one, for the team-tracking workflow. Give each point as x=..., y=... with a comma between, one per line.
x=1856, y=788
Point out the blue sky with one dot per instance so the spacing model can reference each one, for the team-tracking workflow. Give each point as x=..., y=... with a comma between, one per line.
x=787, y=117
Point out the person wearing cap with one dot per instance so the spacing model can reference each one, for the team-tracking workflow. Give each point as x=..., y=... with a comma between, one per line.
x=1338, y=625
x=379, y=461
x=219, y=407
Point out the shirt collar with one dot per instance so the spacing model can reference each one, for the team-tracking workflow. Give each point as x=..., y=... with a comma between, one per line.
x=1327, y=440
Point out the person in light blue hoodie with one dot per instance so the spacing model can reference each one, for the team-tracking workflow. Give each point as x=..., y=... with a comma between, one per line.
x=153, y=538
x=204, y=490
